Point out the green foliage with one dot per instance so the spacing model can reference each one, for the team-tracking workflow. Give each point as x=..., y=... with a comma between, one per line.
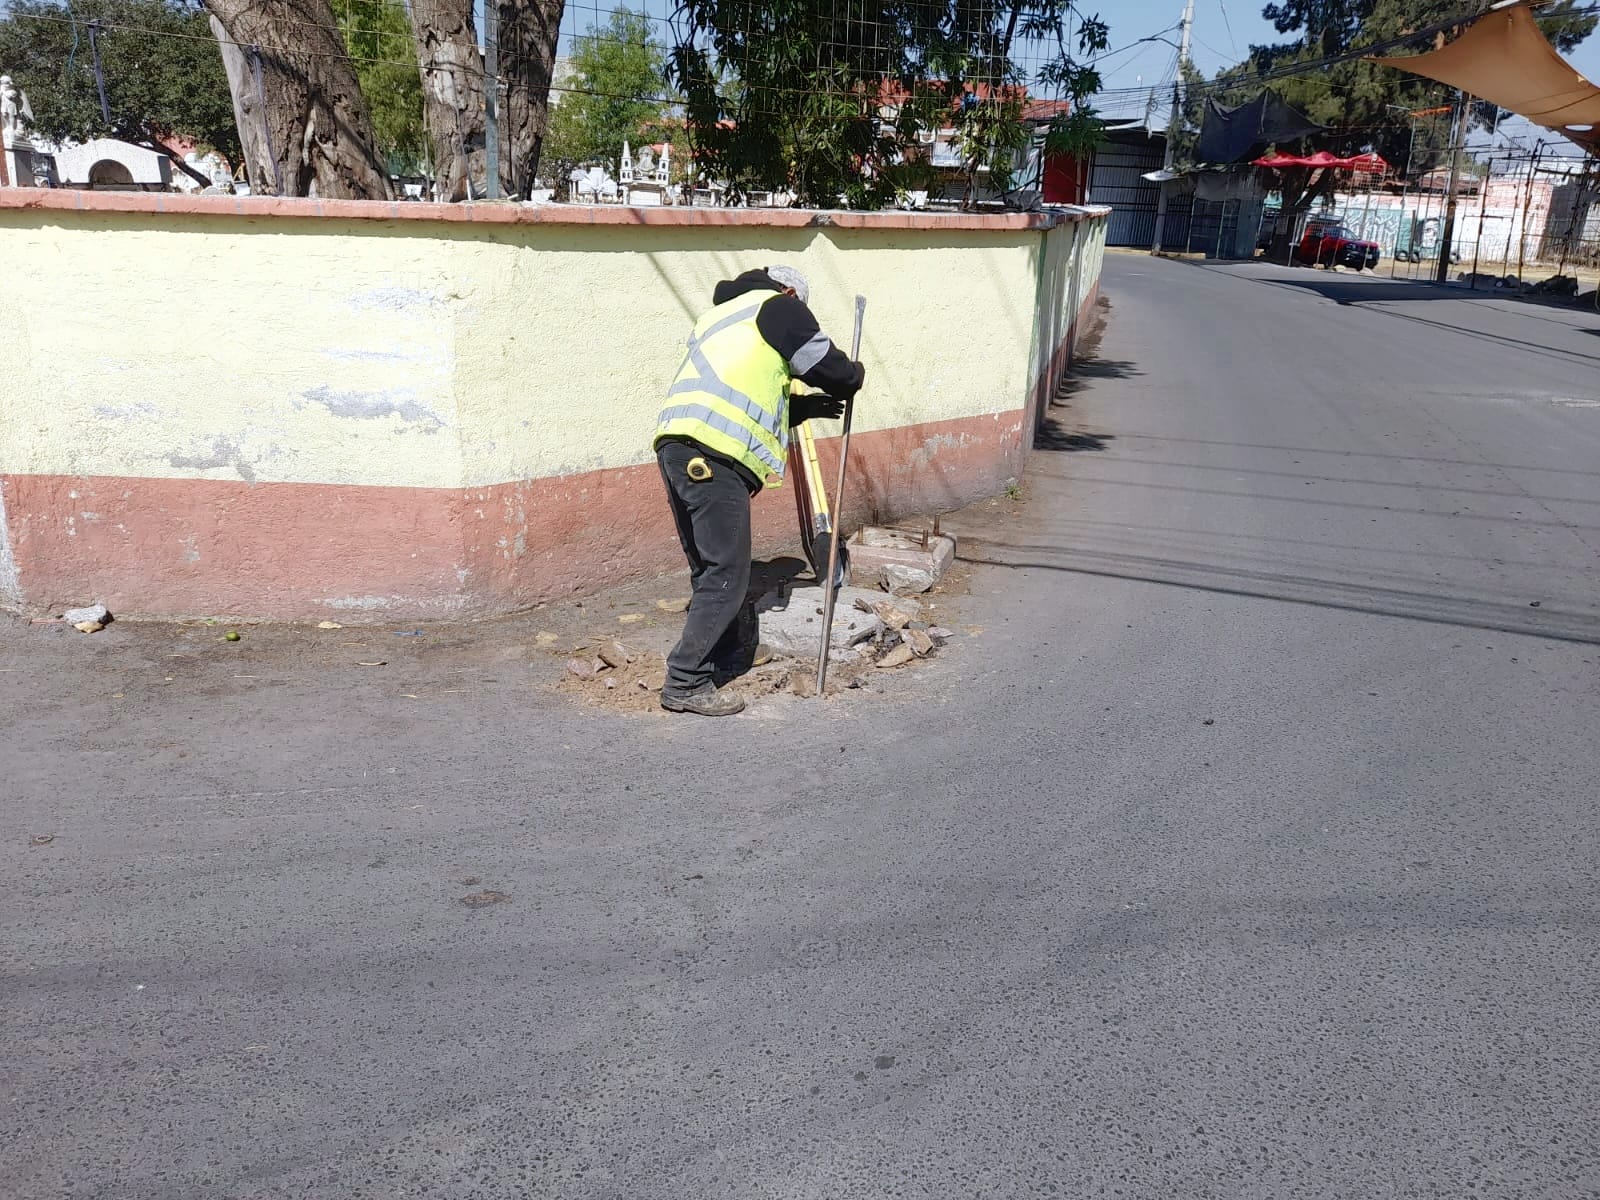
x=826, y=97
x=163, y=74
x=1364, y=106
x=617, y=93
x=378, y=35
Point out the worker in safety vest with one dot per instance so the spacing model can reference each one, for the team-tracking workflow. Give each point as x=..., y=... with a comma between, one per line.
x=722, y=437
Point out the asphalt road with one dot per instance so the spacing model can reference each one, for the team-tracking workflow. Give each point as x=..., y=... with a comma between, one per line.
x=1249, y=851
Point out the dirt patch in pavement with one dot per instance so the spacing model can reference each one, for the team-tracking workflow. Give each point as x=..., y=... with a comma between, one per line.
x=625, y=675
x=133, y=663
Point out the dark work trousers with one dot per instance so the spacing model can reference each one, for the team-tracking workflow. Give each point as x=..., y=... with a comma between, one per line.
x=713, y=519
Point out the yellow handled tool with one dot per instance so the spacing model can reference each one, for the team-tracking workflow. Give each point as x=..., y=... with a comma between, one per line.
x=811, y=505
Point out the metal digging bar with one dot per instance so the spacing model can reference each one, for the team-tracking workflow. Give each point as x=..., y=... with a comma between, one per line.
x=830, y=587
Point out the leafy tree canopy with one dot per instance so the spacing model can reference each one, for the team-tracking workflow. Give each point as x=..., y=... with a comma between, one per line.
x=617, y=92
x=826, y=97
x=1364, y=106
x=163, y=75
x=378, y=36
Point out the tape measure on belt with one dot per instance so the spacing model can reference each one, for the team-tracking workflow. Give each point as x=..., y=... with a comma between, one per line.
x=698, y=469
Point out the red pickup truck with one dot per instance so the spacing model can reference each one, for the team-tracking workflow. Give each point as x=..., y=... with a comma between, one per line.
x=1334, y=245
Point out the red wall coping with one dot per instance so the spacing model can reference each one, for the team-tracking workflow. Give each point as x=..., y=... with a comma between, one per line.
x=507, y=213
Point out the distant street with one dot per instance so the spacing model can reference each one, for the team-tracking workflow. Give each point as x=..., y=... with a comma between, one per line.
x=1247, y=848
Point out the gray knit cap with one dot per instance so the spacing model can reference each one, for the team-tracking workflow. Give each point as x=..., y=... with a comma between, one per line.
x=790, y=278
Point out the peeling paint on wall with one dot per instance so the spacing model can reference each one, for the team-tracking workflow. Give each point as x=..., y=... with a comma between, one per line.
x=124, y=412
x=394, y=299
x=223, y=453
x=922, y=457
x=438, y=606
x=10, y=588
x=448, y=385
x=422, y=355
x=368, y=406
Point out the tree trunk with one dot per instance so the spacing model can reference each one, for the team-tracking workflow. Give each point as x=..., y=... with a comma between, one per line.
x=528, y=33
x=311, y=134
x=247, y=114
x=452, y=94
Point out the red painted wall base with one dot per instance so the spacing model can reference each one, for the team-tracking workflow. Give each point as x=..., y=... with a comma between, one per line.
x=190, y=547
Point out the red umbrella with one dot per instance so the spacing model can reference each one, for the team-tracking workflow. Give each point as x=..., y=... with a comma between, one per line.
x=1360, y=162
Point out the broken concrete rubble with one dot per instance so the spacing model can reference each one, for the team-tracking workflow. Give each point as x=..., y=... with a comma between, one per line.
x=899, y=561
x=896, y=612
x=613, y=654
x=94, y=613
x=899, y=656
x=791, y=621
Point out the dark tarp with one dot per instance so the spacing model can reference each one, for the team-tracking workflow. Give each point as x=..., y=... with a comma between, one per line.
x=1230, y=135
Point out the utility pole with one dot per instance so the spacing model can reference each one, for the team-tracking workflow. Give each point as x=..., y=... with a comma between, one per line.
x=1457, y=144
x=491, y=101
x=1527, y=206
x=1172, y=126
x=1483, y=207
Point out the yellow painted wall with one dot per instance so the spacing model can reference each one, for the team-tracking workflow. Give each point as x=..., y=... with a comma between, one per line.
x=431, y=354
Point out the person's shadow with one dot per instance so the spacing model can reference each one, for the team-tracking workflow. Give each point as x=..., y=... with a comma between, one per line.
x=776, y=574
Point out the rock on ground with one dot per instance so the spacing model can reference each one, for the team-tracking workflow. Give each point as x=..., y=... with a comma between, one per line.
x=791, y=623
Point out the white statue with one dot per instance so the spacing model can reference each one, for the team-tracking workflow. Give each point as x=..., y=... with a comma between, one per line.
x=14, y=109
x=647, y=162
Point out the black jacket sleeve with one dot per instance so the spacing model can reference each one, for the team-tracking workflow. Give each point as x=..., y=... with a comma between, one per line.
x=791, y=330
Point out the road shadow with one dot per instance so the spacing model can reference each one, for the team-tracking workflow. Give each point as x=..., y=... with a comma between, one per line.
x=1344, y=289
x=1054, y=436
x=1351, y=288
x=1059, y=430
x=1369, y=598
x=1376, y=295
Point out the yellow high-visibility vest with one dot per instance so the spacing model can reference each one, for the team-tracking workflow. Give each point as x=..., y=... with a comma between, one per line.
x=732, y=391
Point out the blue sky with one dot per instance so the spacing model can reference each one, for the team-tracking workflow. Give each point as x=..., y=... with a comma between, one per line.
x=1223, y=34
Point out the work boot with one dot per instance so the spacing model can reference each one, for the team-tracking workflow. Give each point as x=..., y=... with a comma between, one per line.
x=747, y=660
x=709, y=701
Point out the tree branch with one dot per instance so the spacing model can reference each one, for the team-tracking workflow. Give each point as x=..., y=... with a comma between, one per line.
x=149, y=141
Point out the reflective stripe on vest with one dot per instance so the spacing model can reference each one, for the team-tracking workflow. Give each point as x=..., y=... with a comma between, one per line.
x=725, y=418
x=699, y=412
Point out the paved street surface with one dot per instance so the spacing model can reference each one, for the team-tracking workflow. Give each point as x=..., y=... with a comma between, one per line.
x=1249, y=851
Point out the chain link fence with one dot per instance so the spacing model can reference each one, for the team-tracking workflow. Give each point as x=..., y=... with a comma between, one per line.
x=817, y=102
x=1525, y=222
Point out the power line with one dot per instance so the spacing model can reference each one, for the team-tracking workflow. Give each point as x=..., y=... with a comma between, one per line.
x=1116, y=97
x=1228, y=25
x=1307, y=66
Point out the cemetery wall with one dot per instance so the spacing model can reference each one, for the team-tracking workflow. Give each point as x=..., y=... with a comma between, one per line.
x=308, y=409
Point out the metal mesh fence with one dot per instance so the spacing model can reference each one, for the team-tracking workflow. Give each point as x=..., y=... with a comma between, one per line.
x=1525, y=221
x=661, y=101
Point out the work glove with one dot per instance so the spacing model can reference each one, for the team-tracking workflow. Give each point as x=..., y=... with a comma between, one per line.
x=861, y=378
x=814, y=406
